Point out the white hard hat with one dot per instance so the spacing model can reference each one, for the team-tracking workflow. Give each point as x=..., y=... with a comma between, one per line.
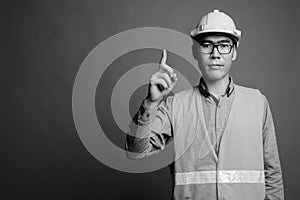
x=217, y=22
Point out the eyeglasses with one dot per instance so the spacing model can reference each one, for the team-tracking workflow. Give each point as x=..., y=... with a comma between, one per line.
x=208, y=48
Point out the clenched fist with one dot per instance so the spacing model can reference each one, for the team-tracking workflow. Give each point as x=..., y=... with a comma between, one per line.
x=162, y=81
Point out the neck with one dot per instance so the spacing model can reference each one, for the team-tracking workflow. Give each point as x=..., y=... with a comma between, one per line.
x=217, y=88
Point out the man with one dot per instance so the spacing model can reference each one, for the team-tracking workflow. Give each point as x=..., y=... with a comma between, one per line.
x=224, y=138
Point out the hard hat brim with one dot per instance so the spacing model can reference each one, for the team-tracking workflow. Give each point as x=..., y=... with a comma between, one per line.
x=197, y=34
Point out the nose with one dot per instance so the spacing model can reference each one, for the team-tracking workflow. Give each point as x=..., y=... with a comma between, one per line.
x=215, y=53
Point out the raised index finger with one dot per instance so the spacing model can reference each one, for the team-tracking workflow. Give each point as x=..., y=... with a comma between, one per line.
x=164, y=57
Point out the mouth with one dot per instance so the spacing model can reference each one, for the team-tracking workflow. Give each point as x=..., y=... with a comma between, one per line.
x=215, y=66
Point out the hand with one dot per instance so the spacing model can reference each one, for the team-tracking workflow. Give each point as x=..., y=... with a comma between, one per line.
x=161, y=82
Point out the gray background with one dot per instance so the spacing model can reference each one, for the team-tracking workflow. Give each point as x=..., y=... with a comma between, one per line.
x=43, y=45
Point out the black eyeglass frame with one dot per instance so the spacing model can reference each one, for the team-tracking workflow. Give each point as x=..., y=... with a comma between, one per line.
x=217, y=47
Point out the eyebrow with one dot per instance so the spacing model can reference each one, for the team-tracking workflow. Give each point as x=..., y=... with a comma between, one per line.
x=221, y=41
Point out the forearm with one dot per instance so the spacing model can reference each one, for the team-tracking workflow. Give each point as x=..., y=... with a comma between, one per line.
x=137, y=140
x=150, y=129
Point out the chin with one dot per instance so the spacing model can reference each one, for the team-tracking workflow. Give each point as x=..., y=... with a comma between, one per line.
x=214, y=76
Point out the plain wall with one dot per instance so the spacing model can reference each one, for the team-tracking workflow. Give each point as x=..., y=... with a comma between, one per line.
x=43, y=46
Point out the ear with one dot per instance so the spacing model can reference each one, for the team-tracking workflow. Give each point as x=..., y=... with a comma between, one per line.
x=234, y=54
x=195, y=50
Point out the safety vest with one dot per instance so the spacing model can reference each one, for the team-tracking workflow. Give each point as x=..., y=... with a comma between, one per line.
x=237, y=172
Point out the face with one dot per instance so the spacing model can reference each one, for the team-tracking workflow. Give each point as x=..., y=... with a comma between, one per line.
x=215, y=66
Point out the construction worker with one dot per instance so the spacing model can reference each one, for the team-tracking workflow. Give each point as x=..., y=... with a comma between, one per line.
x=224, y=137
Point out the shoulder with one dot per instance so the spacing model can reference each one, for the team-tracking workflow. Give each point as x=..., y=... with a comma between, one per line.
x=249, y=92
x=252, y=94
x=253, y=91
x=186, y=96
x=186, y=93
x=243, y=89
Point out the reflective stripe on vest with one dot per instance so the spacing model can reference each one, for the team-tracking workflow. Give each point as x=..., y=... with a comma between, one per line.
x=225, y=176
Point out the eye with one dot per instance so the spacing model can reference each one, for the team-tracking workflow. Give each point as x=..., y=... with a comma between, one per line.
x=206, y=45
x=224, y=46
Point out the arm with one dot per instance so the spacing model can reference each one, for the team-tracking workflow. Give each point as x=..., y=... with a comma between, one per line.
x=150, y=130
x=273, y=173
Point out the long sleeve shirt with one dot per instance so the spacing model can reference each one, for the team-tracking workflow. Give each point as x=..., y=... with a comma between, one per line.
x=151, y=130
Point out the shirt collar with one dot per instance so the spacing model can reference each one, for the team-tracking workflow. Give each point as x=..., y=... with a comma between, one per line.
x=204, y=90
